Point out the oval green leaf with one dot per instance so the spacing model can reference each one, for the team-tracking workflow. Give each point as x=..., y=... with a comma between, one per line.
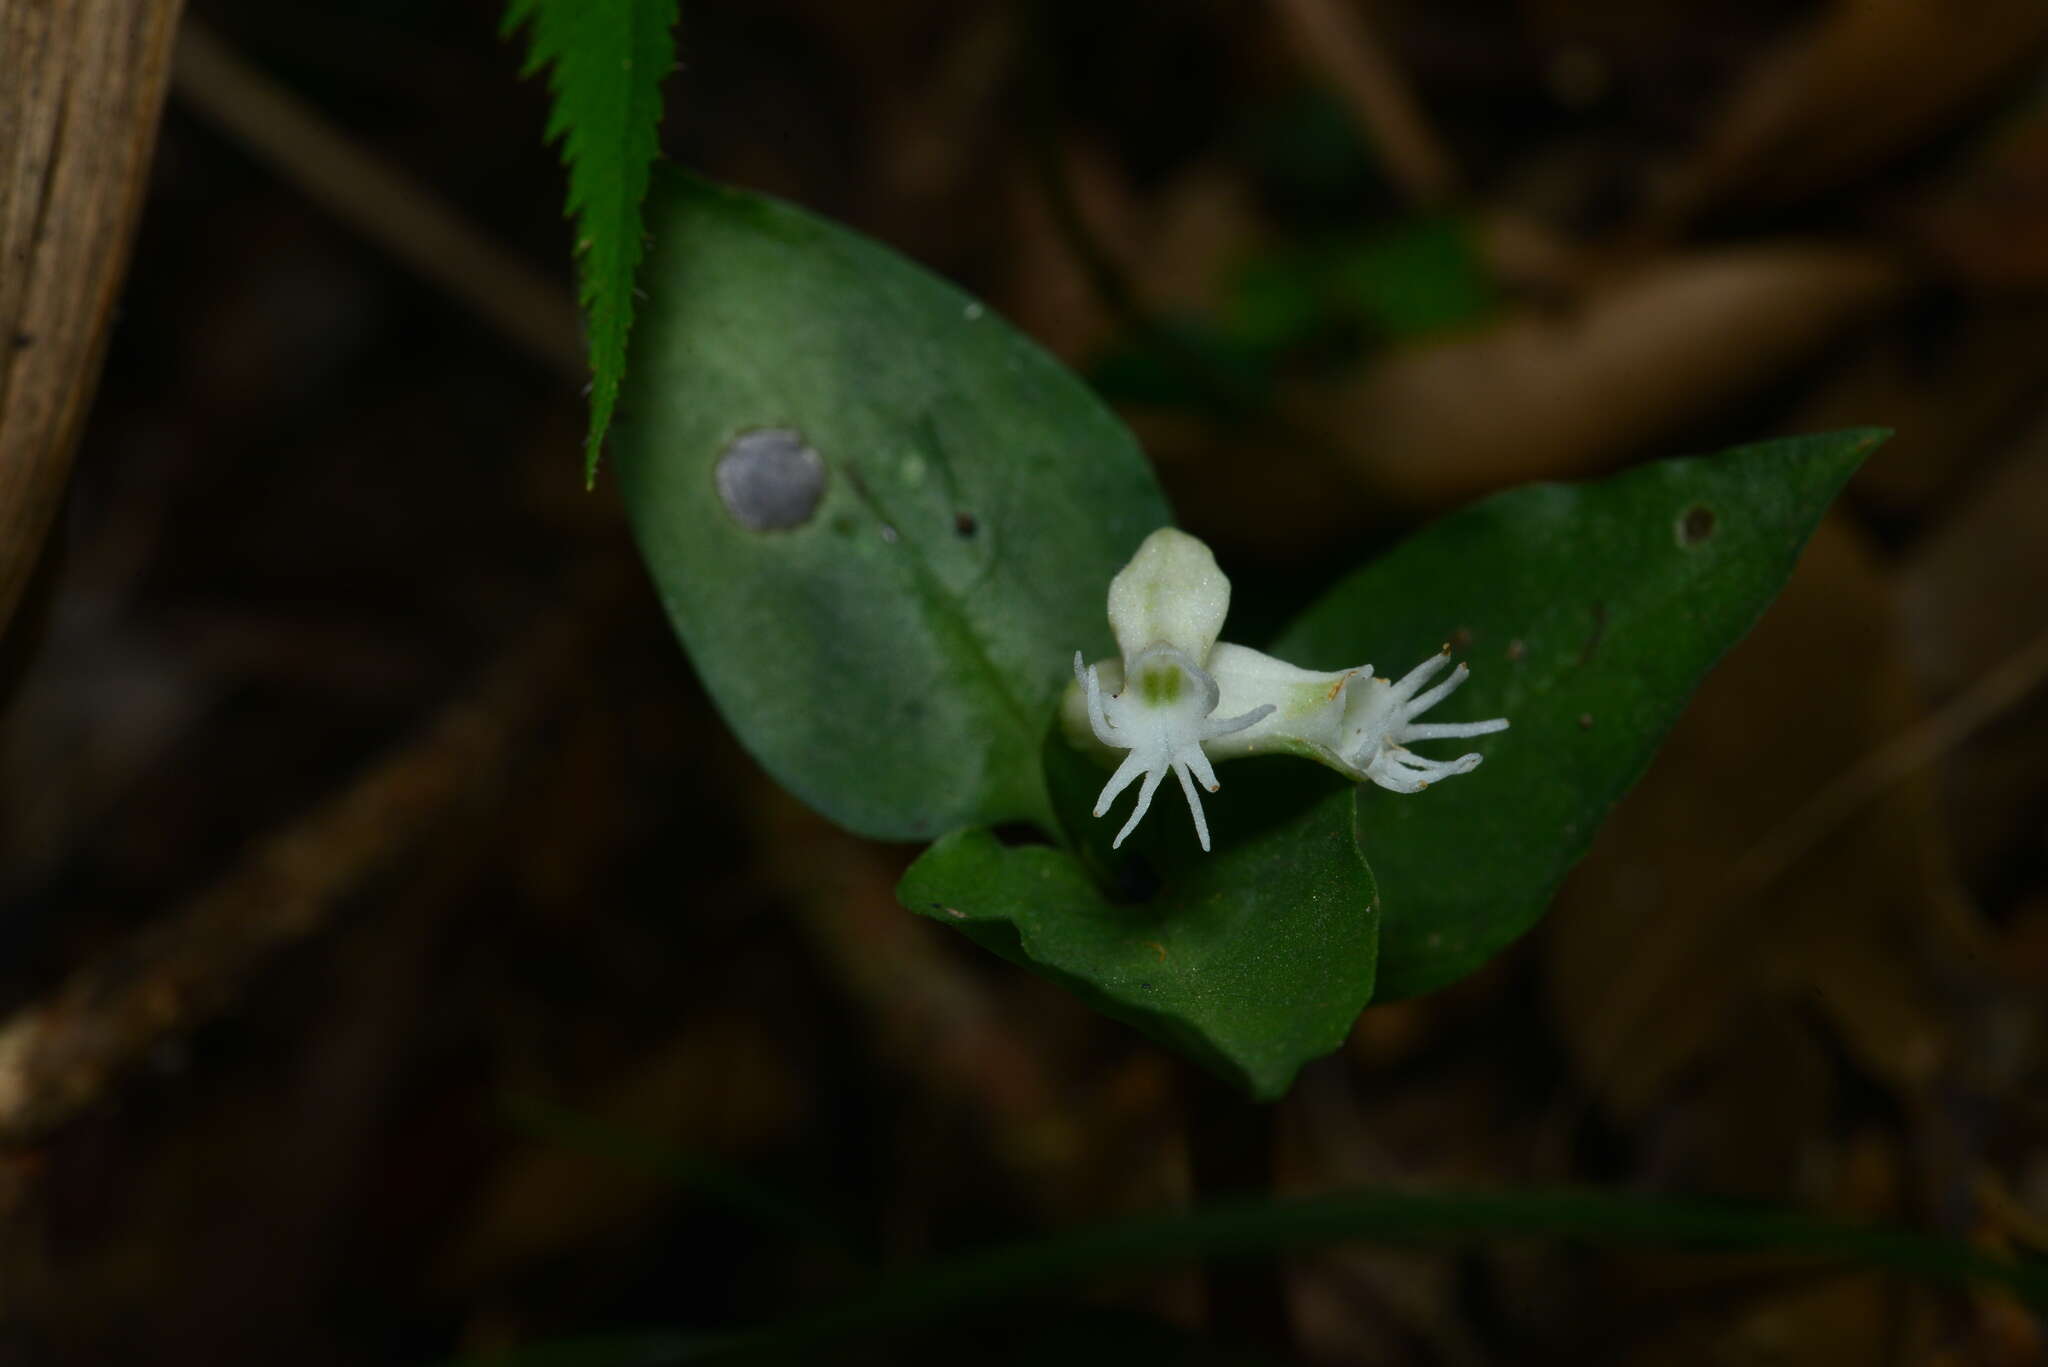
x=1588, y=614
x=912, y=532
x=1251, y=961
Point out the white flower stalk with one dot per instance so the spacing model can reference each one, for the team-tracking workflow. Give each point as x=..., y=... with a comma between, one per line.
x=1160, y=702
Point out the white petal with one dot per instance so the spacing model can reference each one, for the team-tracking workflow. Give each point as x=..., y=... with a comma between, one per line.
x=1091, y=686
x=1405, y=772
x=1415, y=707
x=1384, y=721
x=1171, y=593
x=1145, y=791
x=1187, y=785
x=1413, y=679
x=1075, y=720
x=1307, y=706
x=1134, y=764
x=1449, y=730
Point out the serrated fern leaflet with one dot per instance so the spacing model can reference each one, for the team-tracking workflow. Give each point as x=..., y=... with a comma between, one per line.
x=607, y=60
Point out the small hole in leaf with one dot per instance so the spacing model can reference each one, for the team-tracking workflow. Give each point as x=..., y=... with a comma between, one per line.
x=770, y=480
x=1696, y=525
x=965, y=525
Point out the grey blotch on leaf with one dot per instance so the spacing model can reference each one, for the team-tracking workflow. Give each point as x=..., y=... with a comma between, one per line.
x=770, y=480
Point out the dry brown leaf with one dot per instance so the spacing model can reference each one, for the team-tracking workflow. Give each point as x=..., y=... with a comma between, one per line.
x=1973, y=593
x=1951, y=398
x=1546, y=397
x=1252, y=492
x=1870, y=80
x=1656, y=952
x=1987, y=222
x=78, y=116
x=1852, y=1321
x=1976, y=588
x=1170, y=248
x=1752, y=1125
x=931, y=133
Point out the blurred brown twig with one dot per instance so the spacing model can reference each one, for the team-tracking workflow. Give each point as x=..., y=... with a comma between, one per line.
x=1338, y=42
x=386, y=206
x=1912, y=750
x=60, y=1054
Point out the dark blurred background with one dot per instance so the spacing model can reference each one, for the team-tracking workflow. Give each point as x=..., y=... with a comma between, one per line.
x=434, y=972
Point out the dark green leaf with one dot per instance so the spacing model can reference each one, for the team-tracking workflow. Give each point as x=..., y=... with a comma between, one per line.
x=925, y=1295
x=1252, y=960
x=917, y=528
x=1588, y=614
x=608, y=59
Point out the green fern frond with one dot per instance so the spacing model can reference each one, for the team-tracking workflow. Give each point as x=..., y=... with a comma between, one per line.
x=607, y=61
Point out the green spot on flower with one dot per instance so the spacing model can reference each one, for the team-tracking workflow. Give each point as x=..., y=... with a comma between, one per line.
x=1159, y=687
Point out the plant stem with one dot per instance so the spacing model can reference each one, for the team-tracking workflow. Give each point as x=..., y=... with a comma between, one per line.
x=1230, y=1149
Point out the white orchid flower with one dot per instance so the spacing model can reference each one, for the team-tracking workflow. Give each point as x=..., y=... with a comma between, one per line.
x=1179, y=699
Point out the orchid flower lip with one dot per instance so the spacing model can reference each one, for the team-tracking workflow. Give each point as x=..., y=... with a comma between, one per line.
x=1161, y=716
